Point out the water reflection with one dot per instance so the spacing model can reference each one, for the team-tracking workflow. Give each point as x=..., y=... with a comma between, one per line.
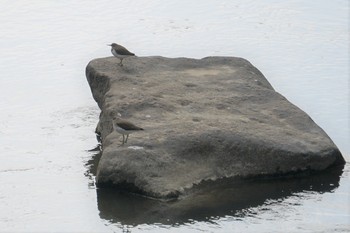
x=92, y=164
x=207, y=201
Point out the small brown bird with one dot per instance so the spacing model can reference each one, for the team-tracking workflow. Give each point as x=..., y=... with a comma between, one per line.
x=120, y=52
x=125, y=128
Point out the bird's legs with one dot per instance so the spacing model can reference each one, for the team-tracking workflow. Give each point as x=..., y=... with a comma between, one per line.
x=121, y=62
x=123, y=139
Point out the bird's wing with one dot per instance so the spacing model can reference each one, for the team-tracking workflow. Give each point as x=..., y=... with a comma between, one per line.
x=128, y=126
x=123, y=51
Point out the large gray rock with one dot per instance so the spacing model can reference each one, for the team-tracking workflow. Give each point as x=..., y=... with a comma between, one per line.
x=204, y=119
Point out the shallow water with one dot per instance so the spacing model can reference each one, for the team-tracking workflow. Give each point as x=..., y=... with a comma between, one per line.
x=48, y=116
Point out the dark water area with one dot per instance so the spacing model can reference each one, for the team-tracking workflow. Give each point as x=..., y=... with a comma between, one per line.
x=210, y=200
x=49, y=152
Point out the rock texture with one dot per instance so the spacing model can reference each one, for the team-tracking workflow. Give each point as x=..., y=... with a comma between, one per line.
x=203, y=119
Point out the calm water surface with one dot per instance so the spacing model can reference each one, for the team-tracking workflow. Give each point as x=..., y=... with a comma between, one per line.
x=48, y=116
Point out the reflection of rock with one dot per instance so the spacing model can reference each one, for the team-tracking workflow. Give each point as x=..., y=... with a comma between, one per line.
x=92, y=164
x=206, y=119
x=224, y=198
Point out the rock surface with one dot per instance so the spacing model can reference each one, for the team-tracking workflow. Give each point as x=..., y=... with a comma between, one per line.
x=203, y=119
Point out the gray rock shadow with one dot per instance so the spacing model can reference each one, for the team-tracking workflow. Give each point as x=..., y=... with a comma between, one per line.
x=209, y=200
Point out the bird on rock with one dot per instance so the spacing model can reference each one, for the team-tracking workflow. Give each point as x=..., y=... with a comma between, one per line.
x=120, y=52
x=125, y=128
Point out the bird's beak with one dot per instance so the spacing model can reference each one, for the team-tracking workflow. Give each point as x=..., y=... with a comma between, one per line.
x=109, y=45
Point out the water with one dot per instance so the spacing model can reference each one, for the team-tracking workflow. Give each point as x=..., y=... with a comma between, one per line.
x=48, y=115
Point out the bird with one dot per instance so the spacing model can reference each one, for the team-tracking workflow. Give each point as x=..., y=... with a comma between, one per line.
x=124, y=127
x=120, y=52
